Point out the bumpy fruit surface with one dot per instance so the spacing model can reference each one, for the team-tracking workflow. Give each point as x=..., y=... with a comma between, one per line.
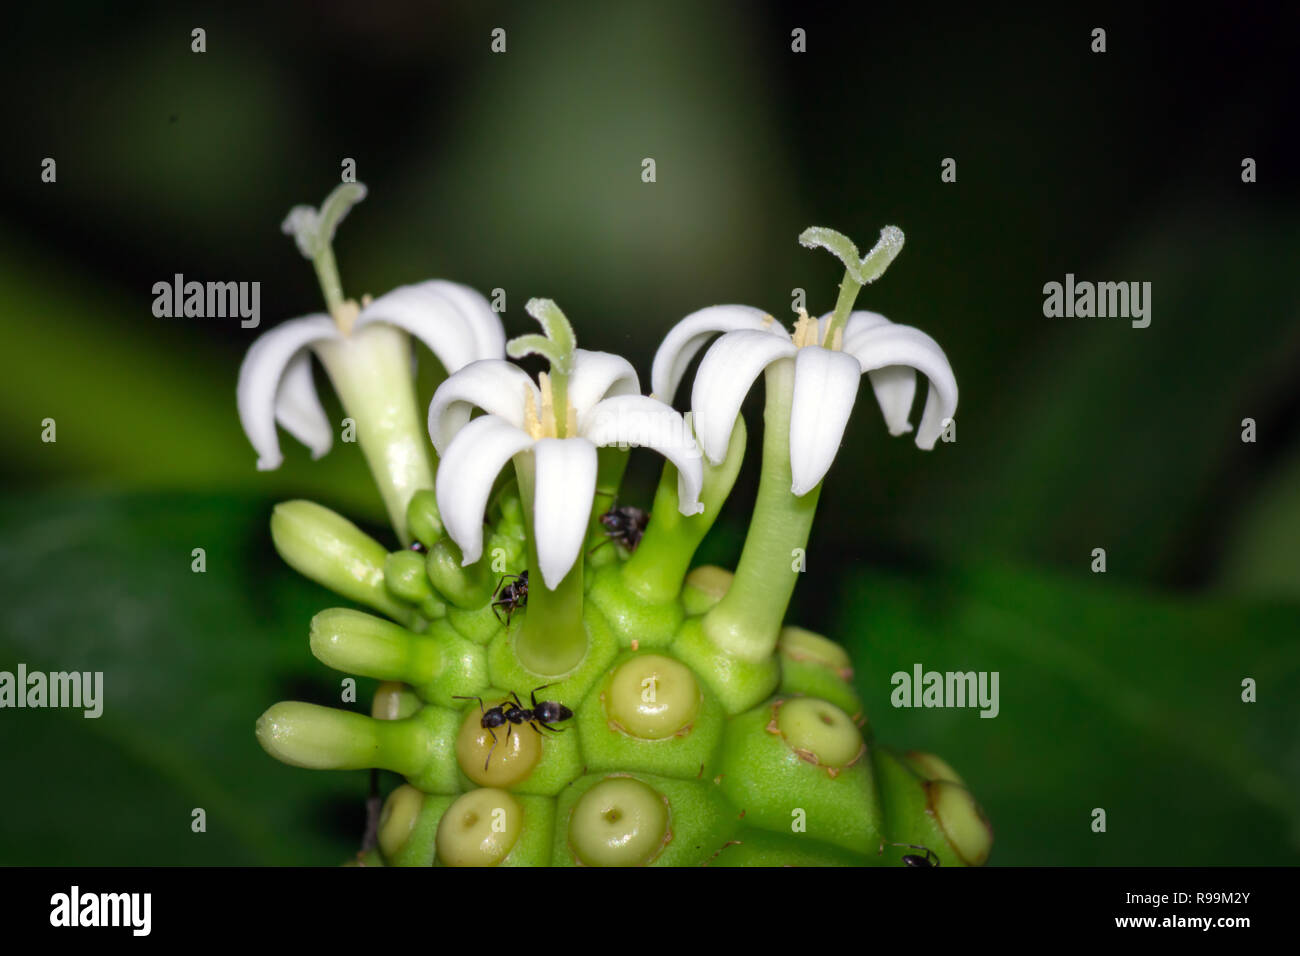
x=678, y=753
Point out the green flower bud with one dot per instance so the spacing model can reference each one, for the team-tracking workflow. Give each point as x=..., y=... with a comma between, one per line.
x=407, y=580
x=332, y=551
x=323, y=738
x=440, y=664
x=465, y=587
x=423, y=520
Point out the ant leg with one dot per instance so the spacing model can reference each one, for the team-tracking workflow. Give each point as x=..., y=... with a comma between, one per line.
x=490, y=749
x=479, y=699
x=518, y=701
x=557, y=730
x=608, y=540
x=536, y=689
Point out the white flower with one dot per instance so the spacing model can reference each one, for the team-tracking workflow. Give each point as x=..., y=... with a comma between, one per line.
x=603, y=407
x=825, y=379
x=275, y=382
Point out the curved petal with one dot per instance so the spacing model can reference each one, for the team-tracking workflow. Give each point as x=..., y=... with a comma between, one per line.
x=688, y=336
x=478, y=315
x=564, y=476
x=259, y=380
x=895, y=386
x=627, y=420
x=725, y=378
x=298, y=407
x=597, y=375
x=493, y=385
x=904, y=345
x=437, y=320
x=859, y=323
x=825, y=387
x=473, y=460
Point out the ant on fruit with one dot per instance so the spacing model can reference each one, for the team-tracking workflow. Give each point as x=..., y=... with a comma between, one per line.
x=911, y=859
x=625, y=525
x=545, y=713
x=510, y=596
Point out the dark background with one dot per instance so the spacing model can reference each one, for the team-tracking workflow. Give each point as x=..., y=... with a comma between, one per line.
x=522, y=171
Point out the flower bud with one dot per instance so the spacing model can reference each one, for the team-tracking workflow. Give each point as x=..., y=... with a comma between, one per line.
x=330, y=550
x=422, y=518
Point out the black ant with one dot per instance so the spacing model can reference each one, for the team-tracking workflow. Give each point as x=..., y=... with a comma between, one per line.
x=626, y=525
x=911, y=859
x=510, y=596
x=545, y=713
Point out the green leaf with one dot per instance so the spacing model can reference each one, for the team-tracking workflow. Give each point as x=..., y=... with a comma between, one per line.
x=1108, y=699
x=189, y=661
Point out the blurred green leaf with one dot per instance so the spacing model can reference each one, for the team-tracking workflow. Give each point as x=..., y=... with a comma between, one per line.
x=189, y=661
x=1109, y=699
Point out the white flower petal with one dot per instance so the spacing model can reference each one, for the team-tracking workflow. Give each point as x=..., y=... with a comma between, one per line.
x=437, y=320
x=259, y=380
x=825, y=387
x=473, y=460
x=649, y=423
x=478, y=315
x=564, y=488
x=493, y=385
x=597, y=375
x=689, y=335
x=859, y=322
x=298, y=407
x=724, y=379
x=903, y=345
x=895, y=386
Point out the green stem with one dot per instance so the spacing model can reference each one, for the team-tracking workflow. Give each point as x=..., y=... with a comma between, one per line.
x=747, y=621
x=658, y=567
x=327, y=273
x=553, y=639
x=849, y=289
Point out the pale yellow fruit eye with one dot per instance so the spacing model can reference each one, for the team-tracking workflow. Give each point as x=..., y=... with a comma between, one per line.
x=480, y=828
x=512, y=758
x=397, y=819
x=819, y=729
x=652, y=697
x=619, y=822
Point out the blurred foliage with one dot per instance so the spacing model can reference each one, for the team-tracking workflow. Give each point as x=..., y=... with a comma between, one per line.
x=189, y=662
x=1108, y=698
x=522, y=171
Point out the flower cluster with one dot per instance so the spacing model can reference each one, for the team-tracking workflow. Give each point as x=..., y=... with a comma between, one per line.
x=506, y=585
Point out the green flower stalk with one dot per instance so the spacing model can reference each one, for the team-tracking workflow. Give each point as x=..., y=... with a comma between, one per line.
x=556, y=696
